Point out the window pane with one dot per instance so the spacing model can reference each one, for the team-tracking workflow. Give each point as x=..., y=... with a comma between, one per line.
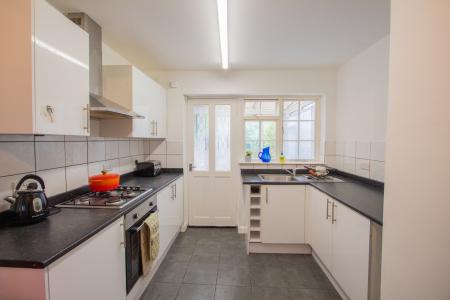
x=252, y=137
x=251, y=130
x=290, y=150
x=222, y=136
x=269, y=130
x=201, y=137
x=269, y=108
x=290, y=130
x=306, y=151
x=253, y=146
x=307, y=110
x=252, y=108
x=307, y=130
x=290, y=110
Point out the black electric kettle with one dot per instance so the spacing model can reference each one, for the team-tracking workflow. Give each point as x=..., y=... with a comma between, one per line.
x=29, y=203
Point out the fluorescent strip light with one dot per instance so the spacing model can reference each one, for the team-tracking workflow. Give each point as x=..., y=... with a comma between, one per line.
x=222, y=13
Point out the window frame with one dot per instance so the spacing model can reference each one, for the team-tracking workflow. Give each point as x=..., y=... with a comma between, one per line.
x=279, y=119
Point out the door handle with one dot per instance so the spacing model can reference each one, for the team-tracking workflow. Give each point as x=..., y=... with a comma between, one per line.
x=156, y=127
x=191, y=167
x=333, y=219
x=267, y=195
x=88, y=117
x=328, y=204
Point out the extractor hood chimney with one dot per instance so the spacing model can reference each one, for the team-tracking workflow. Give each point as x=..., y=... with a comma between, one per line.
x=100, y=106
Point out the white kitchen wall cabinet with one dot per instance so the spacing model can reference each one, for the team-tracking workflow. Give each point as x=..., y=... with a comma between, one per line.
x=170, y=210
x=133, y=89
x=94, y=270
x=283, y=214
x=44, y=79
x=341, y=239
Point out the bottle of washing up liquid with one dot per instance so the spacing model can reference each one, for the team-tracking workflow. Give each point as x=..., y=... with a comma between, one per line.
x=282, y=158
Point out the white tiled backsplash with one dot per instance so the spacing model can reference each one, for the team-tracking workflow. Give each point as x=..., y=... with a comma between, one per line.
x=362, y=158
x=65, y=162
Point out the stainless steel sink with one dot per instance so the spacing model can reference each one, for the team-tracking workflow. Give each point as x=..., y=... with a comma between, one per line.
x=277, y=177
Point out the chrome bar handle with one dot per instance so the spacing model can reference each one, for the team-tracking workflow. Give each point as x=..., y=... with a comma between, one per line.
x=156, y=127
x=88, y=118
x=328, y=204
x=267, y=195
x=333, y=219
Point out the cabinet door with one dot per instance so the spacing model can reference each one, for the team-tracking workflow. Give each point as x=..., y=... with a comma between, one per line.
x=141, y=103
x=161, y=113
x=320, y=227
x=283, y=214
x=179, y=204
x=157, y=110
x=61, y=73
x=166, y=207
x=350, y=258
x=94, y=270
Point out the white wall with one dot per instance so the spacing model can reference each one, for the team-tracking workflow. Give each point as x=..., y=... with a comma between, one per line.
x=416, y=238
x=314, y=81
x=361, y=107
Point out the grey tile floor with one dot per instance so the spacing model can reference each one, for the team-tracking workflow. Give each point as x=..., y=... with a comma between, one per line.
x=211, y=263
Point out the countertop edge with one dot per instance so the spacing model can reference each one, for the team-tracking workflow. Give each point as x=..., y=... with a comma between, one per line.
x=45, y=263
x=371, y=218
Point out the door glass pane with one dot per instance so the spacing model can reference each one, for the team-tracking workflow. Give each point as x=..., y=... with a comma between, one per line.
x=201, y=137
x=290, y=110
x=306, y=151
x=307, y=130
x=290, y=130
x=307, y=110
x=222, y=130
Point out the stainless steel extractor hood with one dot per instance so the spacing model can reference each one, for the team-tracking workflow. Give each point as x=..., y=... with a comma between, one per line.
x=100, y=107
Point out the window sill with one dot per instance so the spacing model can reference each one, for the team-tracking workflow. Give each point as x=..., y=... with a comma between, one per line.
x=276, y=164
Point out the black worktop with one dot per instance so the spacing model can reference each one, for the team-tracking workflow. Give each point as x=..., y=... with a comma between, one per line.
x=38, y=245
x=360, y=194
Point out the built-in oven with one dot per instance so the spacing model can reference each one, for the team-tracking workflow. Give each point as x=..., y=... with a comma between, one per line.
x=134, y=221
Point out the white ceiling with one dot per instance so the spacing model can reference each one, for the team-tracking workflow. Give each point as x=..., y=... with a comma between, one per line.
x=263, y=34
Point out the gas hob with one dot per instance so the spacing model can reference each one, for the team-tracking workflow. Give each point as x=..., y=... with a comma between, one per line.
x=118, y=198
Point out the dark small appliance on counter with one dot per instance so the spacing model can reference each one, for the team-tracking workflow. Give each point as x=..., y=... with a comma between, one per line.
x=29, y=203
x=148, y=168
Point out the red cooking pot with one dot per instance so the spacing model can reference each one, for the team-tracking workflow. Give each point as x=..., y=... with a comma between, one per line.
x=104, y=182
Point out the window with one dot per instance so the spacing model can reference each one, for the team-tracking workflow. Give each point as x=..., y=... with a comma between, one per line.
x=260, y=134
x=261, y=118
x=286, y=125
x=299, y=129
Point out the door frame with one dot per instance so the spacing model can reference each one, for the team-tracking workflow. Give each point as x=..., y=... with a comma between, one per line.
x=235, y=141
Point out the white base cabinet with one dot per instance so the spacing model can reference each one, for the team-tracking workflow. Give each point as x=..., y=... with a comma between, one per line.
x=283, y=214
x=95, y=270
x=341, y=239
x=170, y=210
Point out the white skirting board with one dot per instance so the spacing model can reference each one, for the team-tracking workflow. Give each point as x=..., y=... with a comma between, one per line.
x=279, y=248
x=330, y=277
x=140, y=286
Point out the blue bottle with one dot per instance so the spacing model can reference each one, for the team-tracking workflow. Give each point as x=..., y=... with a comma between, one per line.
x=264, y=156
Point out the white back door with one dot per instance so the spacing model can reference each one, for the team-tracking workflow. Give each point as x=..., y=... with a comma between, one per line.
x=211, y=140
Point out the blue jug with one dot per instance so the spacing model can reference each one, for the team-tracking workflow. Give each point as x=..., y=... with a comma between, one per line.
x=264, y=156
